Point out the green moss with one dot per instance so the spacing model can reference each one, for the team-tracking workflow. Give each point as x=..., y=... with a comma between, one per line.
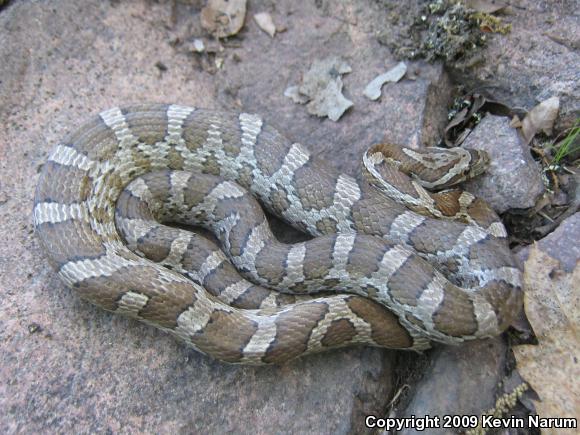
x=446, y=30
x=491, y=24
x=452, y=36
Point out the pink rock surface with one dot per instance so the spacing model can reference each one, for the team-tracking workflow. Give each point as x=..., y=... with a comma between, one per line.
x=66, y=366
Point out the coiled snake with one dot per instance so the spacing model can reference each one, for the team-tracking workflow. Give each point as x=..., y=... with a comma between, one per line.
x=439, y=262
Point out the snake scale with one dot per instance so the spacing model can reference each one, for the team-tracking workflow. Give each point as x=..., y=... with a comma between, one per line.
x=389, y=264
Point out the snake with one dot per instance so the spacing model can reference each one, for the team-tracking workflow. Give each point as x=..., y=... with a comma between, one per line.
x=395, y=258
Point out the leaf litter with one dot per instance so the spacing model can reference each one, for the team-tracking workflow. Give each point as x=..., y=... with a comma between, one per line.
x=266, y=23
x=552, y=305
x=321, y=88
x=373, y=89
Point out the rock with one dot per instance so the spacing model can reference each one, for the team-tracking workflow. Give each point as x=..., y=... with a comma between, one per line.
x=561, y=244
x=455, y=385
x=513, y=179
x=537, y=60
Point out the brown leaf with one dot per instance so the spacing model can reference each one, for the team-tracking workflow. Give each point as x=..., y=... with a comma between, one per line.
x=540, y=118
x=478, y=102
x=552, y=304
x=223, y=18
x=456, y=121
x=463, y=122
x=265, y=22
x=516, y=122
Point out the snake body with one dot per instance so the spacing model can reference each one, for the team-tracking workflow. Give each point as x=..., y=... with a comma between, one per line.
x=375, y=272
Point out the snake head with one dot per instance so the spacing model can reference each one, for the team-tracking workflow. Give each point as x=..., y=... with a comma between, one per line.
x=479, y=163
x=433, y=168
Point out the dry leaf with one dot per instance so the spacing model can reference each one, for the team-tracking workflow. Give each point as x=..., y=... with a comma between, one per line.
x=552, y=304
x=321, y=88
x=461, y=125
x=373, y=89
x=540, y=118
x=223, y=17
x=515, y=122
x=265, y=22
x=293, y=92
x=465, y=119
